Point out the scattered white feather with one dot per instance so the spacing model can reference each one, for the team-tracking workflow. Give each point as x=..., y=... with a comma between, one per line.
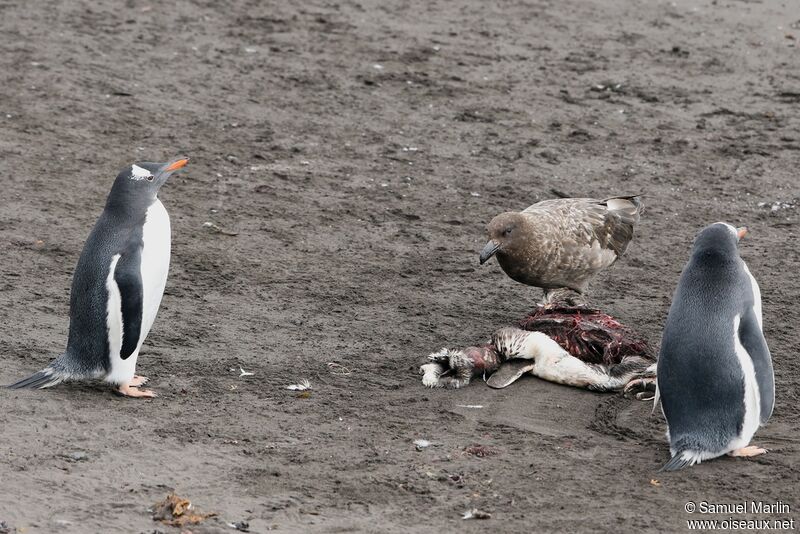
x=302, y=386
x=422, y=444
x=217, y=228
x=474, y=406
x=242, y=373
x=476, y=514
x=339, y=369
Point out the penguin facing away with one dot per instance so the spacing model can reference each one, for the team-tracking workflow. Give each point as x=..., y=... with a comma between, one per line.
x=714, y=377
x=117, y=285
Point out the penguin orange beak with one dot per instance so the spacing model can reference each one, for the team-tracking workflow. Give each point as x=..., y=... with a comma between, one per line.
x=181, y=163
x=741, y=232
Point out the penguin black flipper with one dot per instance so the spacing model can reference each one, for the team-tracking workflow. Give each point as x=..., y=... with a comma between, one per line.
x=128, y=277
x=752, y=339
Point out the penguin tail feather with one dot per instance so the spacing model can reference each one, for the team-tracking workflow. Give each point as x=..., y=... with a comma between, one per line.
x=678, y=462
x=45, y=378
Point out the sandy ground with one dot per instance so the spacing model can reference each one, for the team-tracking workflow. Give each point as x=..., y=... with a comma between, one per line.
x=357, y=150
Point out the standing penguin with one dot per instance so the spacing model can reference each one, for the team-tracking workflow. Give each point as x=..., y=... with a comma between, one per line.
x=714, y=376
x=118, y=285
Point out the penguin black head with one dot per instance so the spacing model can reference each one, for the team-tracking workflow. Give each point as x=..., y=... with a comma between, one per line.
x=137, y=186
x=719, y=238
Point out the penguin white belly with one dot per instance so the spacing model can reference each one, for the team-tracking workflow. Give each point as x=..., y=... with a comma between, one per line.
x=756, y=297
x=114, y=323
x=155, y=256
x=155, y=264
x=752, y=397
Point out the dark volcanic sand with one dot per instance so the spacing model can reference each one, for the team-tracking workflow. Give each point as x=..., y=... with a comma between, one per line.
x=358, y=150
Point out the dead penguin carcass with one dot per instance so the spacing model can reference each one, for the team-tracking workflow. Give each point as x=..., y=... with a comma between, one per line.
x=571, y=345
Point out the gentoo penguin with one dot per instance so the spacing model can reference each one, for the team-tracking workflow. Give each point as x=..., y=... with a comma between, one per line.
x=714, y=374
x=561, y=244
x=117, y=286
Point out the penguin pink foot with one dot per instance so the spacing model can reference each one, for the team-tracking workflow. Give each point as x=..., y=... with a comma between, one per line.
x=127, y=390
x=641, y=388
x=747, y=452
x=138, y=381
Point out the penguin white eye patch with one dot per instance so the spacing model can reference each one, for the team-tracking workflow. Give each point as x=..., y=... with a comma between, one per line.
x=139, y=173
